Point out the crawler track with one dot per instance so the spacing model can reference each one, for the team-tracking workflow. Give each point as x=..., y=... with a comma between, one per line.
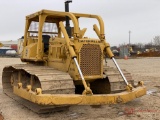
x=51, y=81
x=117, y=84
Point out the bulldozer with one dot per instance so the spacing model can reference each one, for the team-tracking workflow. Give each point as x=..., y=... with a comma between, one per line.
x=1, y=45
x=62, y=67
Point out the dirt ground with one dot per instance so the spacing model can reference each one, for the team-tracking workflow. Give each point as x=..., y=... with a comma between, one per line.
x=144, y=108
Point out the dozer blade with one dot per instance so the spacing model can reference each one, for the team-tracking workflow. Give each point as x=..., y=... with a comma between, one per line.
x=72, y=99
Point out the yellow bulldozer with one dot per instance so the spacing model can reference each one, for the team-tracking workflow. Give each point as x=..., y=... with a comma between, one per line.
x=1, y=45
x=64, y=68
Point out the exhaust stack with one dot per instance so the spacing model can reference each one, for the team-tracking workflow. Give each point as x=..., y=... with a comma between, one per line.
x=68, y=28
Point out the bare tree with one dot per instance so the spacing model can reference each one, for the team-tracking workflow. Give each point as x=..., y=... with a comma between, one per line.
x=156, y=40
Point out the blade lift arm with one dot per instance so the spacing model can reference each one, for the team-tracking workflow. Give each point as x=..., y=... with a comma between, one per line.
x=110, y=54
x=87, y=90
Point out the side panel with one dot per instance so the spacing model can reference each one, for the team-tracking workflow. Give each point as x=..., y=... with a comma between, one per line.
x=55, y=58
x=30, y=51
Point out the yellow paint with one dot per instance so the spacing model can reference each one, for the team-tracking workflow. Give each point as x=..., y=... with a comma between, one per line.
x=70, y=99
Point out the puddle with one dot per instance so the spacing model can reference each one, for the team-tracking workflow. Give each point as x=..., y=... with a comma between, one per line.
x=73, y=115
x=121, y=113
x=151, y=91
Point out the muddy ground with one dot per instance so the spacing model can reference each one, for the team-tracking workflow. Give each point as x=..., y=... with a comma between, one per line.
x=144, y=108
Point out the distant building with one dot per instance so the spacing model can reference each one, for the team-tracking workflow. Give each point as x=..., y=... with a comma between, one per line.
x=124, y=51
x=10, y=44
x=9, y=48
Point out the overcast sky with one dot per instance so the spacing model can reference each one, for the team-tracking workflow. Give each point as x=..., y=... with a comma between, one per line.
x=141, y=17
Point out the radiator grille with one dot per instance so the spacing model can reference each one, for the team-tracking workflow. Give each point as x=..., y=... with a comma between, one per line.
x=90, y=59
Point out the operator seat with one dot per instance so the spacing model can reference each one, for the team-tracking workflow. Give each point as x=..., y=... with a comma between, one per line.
x=45, y=40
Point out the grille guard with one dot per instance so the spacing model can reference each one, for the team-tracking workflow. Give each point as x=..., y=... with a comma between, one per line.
x=91, y=60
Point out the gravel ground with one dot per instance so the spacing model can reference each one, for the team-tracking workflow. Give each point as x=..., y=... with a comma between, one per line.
x=144, y=108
